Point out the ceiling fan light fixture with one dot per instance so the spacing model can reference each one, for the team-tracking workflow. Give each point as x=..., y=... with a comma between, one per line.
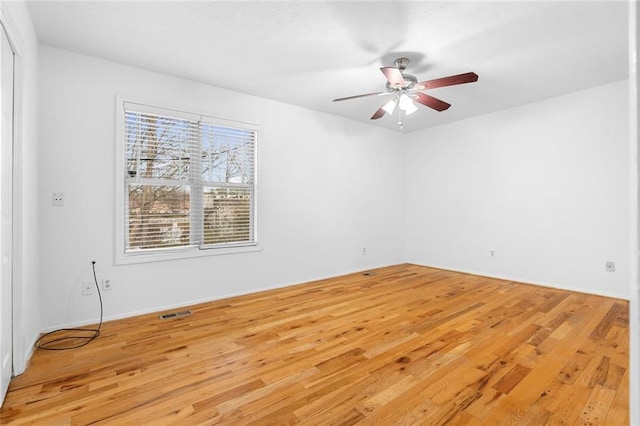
x=389, y=107
x=406, y=104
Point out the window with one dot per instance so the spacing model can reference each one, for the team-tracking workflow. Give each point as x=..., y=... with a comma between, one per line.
x=188, y=184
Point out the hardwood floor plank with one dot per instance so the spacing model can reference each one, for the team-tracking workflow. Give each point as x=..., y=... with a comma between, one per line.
x=402, y=345
x=596, y=408
x=512, y=378
x=568, y=404
x=607, y=322
x=619, y=412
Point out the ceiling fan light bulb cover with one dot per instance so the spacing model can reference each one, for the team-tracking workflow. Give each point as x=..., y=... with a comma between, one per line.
x=389, y=106
x=406, y=104
x=411, y=109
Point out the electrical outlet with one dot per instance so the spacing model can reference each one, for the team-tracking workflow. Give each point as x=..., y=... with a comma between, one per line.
x=57, y=199
x=364, y=251
x=610, y=266
x=492, y=253
x=87, y=288
x=106, y=284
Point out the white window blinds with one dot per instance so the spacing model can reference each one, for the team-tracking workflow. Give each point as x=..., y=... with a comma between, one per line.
x=228, y=168
x=189, y=181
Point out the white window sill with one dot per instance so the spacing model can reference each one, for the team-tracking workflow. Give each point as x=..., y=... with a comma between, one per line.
x=185, y=253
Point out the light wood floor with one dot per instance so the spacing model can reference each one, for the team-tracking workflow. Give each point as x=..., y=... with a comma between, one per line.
x=407, y=345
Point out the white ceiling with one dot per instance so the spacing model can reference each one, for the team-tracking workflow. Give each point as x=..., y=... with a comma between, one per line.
x=307, y=53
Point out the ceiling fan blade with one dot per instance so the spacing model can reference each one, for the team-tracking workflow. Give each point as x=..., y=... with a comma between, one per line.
x=452, y=80
x=358, y=96
x=379, y=113
x=431, y=102
x=394, y=76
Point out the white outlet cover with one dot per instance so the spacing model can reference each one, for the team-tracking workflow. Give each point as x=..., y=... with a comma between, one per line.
x=57, y=199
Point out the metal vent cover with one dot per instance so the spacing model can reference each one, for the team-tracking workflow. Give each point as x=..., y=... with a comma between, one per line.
x=179, y=314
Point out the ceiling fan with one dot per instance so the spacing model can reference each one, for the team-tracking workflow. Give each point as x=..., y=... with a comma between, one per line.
x=406, y=89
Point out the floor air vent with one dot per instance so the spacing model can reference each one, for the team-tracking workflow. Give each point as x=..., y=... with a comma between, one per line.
x=175, y=315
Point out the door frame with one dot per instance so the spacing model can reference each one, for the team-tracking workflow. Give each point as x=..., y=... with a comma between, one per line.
x=20, y=354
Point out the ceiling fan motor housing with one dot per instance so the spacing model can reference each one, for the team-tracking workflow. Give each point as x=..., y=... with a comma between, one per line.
x=409, y=80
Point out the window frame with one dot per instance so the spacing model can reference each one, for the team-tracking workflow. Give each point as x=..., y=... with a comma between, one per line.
x=122, y=256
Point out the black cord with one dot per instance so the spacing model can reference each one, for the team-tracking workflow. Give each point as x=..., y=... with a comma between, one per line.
x=87, y=339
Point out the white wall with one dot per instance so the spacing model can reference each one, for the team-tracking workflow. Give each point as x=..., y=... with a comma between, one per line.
x=328, y=187
x=545, y=185
x=26, y=304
